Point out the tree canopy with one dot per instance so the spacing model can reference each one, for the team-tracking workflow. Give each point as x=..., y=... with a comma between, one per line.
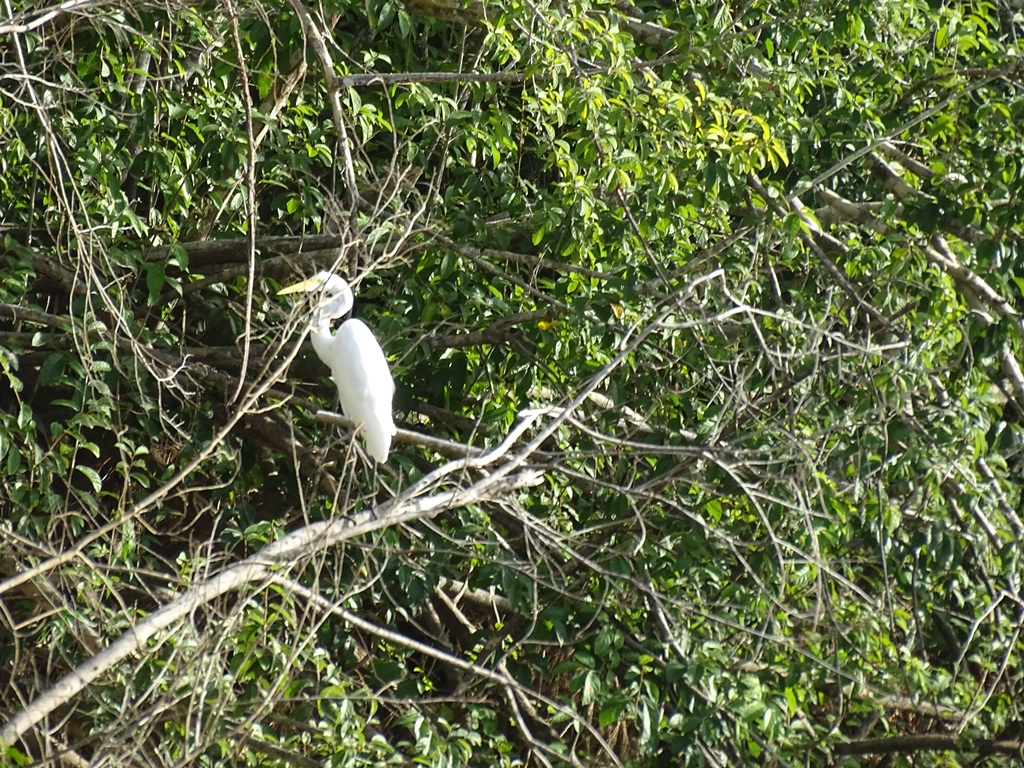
x=706, y=321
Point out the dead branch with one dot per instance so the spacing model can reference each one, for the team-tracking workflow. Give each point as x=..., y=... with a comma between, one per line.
x=944, y=742
x=261, y=567
x=501, y=332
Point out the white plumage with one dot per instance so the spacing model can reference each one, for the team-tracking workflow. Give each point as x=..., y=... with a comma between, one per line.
x=358, y=367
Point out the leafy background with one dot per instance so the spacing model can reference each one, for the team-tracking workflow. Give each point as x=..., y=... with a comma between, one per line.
x=742, y=281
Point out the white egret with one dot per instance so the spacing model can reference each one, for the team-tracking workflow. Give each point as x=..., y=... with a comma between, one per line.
x=358, y=366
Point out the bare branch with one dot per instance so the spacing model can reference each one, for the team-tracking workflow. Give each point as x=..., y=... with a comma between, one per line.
x=444, y=447
x=939, y=253
x=45, y=17
x=943, y=742
x=250, y=194
x=830, y=265
x=501, y=332
x=316, y=39
x=405, y=78
x=500, y=676
x=255, y=569
x=476, y=256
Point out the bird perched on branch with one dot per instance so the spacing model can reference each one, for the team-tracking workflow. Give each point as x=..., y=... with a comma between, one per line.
x=358, y=366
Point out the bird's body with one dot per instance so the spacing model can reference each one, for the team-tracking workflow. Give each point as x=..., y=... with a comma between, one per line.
x=358, y=367
x=360, y=372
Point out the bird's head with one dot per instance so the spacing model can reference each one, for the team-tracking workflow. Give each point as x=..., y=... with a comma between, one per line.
x=333, y=297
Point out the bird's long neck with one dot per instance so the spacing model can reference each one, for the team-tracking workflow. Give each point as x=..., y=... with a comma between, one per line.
x=321, y=338
x=320, y=332
x=321, y=322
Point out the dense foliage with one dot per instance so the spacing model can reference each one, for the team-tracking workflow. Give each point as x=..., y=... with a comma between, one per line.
x=706, y=322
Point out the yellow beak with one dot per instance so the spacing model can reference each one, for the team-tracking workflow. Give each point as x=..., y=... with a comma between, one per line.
x=306, y=285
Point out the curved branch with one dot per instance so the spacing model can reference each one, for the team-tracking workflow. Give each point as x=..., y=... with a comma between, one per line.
x=501, y=332
x=500, y=675
x=444, y=447
x=930, y=742
x=334, y=96
x=260, y=567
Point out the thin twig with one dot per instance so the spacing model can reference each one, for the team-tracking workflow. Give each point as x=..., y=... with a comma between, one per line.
x=250, y=197
x=257, y=568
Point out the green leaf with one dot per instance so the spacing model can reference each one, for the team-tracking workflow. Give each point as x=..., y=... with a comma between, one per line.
x=178, y=257
x=13, y=461
x=92, y=475
x=610, y=714
x=591, y=687
x=52, y=369
x=155, y=280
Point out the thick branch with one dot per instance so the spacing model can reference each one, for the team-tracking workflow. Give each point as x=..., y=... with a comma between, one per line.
x=501, y=332
x=476, y=256
x=929, y=743
x=204, y=253
x=538, y=262
x=405, y=78
x=839, y=209
x=316, y=40
x=21, y=314
x=444, y=447
x=812, y=243
x=939, y=254
x=260, y=567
